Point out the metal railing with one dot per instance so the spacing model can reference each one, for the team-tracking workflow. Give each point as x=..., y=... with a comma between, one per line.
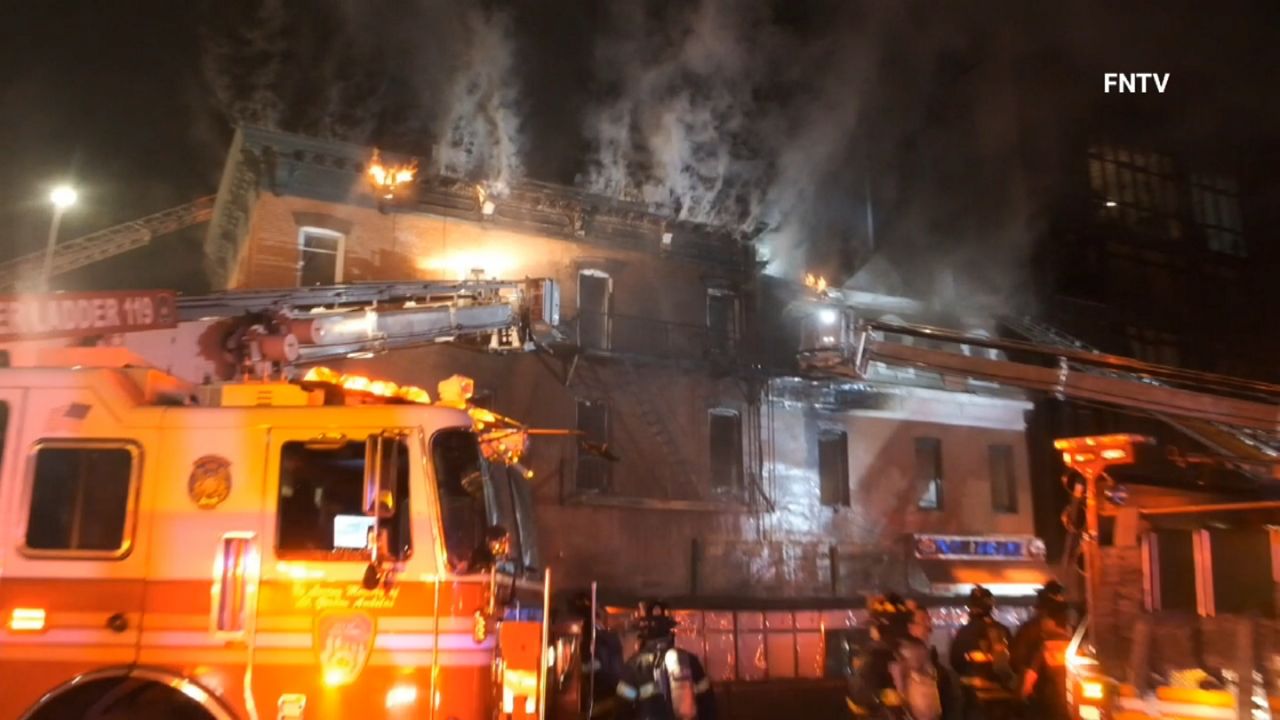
x=619, y=334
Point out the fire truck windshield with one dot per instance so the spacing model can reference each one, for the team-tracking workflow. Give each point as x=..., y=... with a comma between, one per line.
x=320, y=502
x=460, y=477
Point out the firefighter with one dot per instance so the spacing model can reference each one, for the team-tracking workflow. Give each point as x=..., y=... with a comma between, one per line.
x=1027, y=637
x=980, y=656
x=1044, y=680
x=602, y=663
x=663, y=682
x=873, y=688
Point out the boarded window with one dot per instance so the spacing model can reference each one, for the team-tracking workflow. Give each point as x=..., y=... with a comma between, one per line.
x=594, y=289
x=80, y=499
x=833, y=467
x=726, y=450
x=320, y=257
x=722, y=321
x=928, y=473
x=1171, y=570
x=593, y=470
x=1004, y=481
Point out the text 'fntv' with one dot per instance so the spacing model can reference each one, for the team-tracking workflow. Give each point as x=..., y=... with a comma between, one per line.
x=1134, y=82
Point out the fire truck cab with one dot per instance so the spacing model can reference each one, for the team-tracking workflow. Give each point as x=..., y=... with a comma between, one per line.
x=260, y=549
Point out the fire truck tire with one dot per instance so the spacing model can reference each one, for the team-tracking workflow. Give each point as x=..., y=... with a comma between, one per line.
x=120, y=699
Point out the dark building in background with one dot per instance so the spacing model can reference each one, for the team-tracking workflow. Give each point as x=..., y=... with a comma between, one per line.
x=1158, y=245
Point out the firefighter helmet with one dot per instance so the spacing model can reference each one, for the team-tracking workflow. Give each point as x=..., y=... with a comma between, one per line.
x=1052, y=593
x=981, y=602
x=654, y=622
x=891, y=615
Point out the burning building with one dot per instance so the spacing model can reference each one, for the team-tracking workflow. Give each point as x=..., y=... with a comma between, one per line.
x=766, y=501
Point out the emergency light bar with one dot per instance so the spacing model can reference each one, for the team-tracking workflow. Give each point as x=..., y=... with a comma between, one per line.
x=1114, y=449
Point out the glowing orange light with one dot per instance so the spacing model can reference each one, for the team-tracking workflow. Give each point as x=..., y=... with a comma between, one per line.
x=383, y=388
x=26, y=619
x=1107, y=449
x=414, y=394
x=387, y=180
x=815, y=282
x=355, y=383
x=1092, y=690
x=322, y=375
x=1114, y=454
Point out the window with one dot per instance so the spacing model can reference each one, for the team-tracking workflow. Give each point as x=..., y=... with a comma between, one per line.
x=1170, y=570
x=594, y=300
x=82, y=497
x=1136, y=188
x=726, y=451
x=322, y=514
x=722, y=321
x=528, y=522
x=928, y=473
x=460, y=480
x=320, y=254
x=833, y=467
x=1004, y=481
x=1215, y=205
x=593, y=423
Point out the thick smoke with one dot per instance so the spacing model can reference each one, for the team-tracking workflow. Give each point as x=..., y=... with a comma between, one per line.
x=482, y=138
x=832, y=134
x=431, y=77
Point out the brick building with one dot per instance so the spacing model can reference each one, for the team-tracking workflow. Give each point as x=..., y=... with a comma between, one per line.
x=740, y=485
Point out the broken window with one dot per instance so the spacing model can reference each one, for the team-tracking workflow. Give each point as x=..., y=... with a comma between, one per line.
x=928, y=473
x=833, y=467
x=1004, y=481
x=319, y=257
x=726, y=451
x=593, y=423
x=722, y=321
x=594, y=303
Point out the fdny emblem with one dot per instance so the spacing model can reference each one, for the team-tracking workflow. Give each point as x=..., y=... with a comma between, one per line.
x=343, y=643
x=210, y=481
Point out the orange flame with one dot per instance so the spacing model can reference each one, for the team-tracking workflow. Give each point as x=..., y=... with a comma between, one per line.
x=389, y=179
x=815, y=282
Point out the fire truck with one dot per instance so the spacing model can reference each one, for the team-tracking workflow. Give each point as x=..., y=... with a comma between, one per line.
x=1133, y=657
x=200, y=521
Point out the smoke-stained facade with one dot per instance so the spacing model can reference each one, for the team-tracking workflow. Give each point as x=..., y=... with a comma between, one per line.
x=736, y=480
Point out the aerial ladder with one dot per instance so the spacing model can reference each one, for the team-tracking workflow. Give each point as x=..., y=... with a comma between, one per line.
x=1230, y=407
x=266, y=333
x=107, y=243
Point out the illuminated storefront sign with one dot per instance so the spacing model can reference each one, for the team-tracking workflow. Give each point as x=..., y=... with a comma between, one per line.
x=979, y=547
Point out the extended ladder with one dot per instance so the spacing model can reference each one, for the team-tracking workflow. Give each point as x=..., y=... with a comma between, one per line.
x=103, y=244
x=1224, y=439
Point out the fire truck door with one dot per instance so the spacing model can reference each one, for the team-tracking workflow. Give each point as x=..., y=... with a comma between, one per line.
x=330, y=632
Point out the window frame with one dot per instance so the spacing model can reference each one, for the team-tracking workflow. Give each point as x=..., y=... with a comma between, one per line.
x=340, y=253
x=937, y=478
x=732, y=332
x=607, y=484
x=606, y=342
x=128, y=533
x=1012, y=494
x=727, y=488
x=845, y=494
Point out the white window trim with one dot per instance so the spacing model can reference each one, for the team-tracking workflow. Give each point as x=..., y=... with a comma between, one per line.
x=303, y=232
x=608, y=302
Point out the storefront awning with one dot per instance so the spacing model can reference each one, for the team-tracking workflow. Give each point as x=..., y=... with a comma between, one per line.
x=957, y=577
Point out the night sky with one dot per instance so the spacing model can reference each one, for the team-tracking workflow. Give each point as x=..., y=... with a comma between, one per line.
x=750, y=113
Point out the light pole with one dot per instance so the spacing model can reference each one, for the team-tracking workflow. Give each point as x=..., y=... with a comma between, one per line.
x=62, y=197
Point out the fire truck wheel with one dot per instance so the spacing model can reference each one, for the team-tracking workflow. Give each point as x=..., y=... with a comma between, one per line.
x=121, y=699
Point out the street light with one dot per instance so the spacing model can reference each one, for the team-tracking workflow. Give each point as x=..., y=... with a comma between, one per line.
x=61, y=197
